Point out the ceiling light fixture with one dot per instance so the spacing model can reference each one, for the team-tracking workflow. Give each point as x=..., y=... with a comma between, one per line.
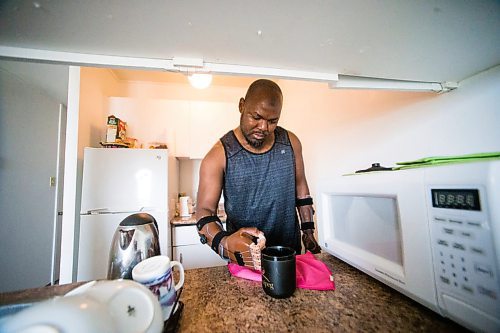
x=197, y=74
x=200, y=80
x=357, y=82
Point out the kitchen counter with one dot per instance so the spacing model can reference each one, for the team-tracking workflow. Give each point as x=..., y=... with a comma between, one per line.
x=183, y=220
x=190, y=220
x=36, y=294
x=214, y=301
x=217, y=302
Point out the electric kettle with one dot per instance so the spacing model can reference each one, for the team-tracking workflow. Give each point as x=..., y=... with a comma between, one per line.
x=135, y=239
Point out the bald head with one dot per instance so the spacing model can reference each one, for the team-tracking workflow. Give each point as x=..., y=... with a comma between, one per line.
x=266, y=88
x=260, y=111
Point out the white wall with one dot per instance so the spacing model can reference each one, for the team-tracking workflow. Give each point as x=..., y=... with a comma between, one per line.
x=349, y=130
x=29, y=117
x=189, y=176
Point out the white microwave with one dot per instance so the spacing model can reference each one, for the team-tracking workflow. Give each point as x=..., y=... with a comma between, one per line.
x=431, y=233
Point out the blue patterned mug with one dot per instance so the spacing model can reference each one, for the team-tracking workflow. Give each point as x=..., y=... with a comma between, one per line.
x=156, y=274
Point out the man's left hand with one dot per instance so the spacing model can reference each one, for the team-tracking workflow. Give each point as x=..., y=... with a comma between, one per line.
x=310, y=242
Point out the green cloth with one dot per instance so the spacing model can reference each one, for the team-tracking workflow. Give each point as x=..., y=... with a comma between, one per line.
x=441, y=160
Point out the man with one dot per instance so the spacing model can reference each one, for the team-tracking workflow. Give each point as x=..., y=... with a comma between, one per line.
x=259, y=167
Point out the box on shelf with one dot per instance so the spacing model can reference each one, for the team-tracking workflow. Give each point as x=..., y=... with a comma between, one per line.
x=116, y=130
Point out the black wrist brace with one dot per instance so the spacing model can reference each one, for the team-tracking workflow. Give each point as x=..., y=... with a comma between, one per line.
x=307, y=226
x=217, y=239
x=206, y=219
x=303, y=201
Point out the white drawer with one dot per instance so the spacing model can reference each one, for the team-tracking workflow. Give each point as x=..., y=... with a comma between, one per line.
x=186, y=235
x=197, y=256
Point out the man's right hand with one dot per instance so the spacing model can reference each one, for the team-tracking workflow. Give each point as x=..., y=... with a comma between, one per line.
x=237, y=247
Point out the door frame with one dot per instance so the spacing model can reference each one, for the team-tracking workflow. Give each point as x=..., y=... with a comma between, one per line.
x=58, y=203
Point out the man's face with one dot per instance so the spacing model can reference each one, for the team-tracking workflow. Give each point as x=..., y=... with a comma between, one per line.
x=259, y=118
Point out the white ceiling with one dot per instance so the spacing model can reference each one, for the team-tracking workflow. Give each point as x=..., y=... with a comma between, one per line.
x=423, y=40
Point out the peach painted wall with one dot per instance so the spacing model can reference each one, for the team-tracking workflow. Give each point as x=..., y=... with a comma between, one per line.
x=346, y=130
x=95, y=88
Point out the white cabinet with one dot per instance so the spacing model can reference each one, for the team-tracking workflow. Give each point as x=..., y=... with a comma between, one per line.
x=181, y=130
x=187, y=249
x=190, y=128
x=209, y=121
x=155, y=120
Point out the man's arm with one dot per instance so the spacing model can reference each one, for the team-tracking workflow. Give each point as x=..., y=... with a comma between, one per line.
x=303, y=199
x=210, y=185
x=235, y=247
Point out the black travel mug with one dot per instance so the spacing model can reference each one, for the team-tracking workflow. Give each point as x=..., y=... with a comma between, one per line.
x=278, y=271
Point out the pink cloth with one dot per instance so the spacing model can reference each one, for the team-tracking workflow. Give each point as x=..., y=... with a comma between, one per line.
x=311, y=273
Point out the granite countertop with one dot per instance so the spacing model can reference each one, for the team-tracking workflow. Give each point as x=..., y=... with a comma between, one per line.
x=214, y=301
x=217, y=302
x=183, y=220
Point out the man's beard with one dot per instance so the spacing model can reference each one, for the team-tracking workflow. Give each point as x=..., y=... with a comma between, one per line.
x=253, y=142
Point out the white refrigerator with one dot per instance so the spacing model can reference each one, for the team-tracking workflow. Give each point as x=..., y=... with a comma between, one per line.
x=116, y=183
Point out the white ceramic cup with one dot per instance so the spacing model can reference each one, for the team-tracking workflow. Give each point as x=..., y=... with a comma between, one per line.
x=184, y=203
x=156, y=274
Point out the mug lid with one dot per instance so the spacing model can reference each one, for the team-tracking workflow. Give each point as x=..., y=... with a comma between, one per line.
x=150, y=268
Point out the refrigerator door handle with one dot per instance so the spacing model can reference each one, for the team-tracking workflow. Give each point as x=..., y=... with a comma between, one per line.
x=100, y=211
x=147, y=208
x=96, y=211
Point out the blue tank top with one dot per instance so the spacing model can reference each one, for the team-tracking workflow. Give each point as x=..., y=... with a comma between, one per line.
x=259, y=190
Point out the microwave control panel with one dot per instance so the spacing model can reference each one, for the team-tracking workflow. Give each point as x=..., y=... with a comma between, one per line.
x=462, y=247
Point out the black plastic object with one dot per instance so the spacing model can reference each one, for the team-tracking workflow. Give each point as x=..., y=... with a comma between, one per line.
x=278, y=271
x=138, y=219
x=375, y=167
x=171, y=325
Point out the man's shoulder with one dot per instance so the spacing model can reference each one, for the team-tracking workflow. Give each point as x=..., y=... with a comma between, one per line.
x=215, y=158
x=217, y=151
x=285, y=134
x=227, y=136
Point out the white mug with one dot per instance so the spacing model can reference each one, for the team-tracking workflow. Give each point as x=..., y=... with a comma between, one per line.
x=156, y=274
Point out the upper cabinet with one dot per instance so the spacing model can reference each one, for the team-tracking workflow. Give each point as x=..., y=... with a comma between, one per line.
x=209, y=121
x=189, y=128
x=153, y=121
